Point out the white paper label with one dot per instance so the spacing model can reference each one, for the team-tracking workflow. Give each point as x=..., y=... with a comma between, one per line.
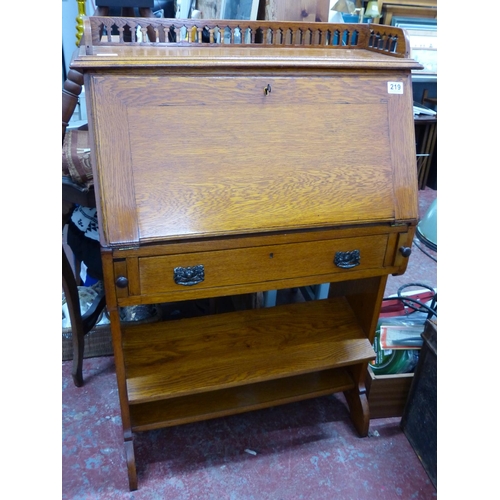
x=394, y=87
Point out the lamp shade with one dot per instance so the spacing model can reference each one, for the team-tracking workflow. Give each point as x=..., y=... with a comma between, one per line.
x=124, y=3
x=346, y=6
x=372, y=9
x=427, y=227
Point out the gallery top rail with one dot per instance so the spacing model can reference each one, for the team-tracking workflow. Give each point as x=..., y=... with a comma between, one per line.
x=158, y=32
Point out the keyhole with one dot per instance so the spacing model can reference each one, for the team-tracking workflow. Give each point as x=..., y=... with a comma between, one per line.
x=267, y=90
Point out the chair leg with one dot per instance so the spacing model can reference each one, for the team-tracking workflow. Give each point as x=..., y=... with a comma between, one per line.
x=71, y=292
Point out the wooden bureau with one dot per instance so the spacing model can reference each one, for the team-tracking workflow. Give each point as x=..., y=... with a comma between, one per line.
x=241, y=157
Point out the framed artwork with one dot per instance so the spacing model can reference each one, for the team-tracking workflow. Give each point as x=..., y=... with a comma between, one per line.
x=239, y=9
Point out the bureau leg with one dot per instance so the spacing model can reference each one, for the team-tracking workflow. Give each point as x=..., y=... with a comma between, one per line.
x=132, y=473
x=357, y=400
x=359, y=410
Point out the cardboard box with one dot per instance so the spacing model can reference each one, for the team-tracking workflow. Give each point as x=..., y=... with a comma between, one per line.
x=387, y=394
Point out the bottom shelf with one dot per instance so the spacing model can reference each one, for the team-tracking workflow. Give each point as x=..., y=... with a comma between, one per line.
x=196, y=407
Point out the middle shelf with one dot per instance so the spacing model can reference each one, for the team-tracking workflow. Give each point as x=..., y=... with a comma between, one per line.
x=196, y=355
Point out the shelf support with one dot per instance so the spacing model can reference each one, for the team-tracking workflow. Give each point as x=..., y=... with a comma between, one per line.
x=358, y=402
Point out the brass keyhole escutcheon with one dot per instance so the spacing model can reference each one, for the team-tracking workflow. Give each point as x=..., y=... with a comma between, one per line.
x=267, y=89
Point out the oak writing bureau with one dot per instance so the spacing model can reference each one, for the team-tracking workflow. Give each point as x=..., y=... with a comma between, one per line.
x=232, y=157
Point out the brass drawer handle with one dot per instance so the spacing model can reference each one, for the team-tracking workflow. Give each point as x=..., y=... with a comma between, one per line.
x=347, y=260
x=189, y=276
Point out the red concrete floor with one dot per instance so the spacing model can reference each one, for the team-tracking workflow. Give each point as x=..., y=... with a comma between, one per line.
x=307, y=450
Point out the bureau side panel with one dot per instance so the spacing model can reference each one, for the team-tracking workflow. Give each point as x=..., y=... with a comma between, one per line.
x=403, y=150
x=112, y=164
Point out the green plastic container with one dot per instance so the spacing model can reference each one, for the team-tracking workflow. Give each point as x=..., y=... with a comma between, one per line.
x=392, y=361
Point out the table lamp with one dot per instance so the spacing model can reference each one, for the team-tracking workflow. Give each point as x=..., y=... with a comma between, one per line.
x=349, y=7
x=372, y=9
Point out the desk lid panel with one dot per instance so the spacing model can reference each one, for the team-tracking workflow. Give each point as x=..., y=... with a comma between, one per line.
x=204, y=156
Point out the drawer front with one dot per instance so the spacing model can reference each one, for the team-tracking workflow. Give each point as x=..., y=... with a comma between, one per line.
x=259, y=264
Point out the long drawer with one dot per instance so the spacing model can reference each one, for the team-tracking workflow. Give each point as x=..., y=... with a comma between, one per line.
x=259, y=264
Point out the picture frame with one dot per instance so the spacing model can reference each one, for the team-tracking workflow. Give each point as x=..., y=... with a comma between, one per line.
x=239, y=9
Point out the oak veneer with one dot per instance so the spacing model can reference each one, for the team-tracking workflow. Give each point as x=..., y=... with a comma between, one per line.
x=171, y=360
x=282, y=159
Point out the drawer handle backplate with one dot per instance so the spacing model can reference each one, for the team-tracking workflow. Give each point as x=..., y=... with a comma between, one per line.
x=347, y=260
x=189, y=276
